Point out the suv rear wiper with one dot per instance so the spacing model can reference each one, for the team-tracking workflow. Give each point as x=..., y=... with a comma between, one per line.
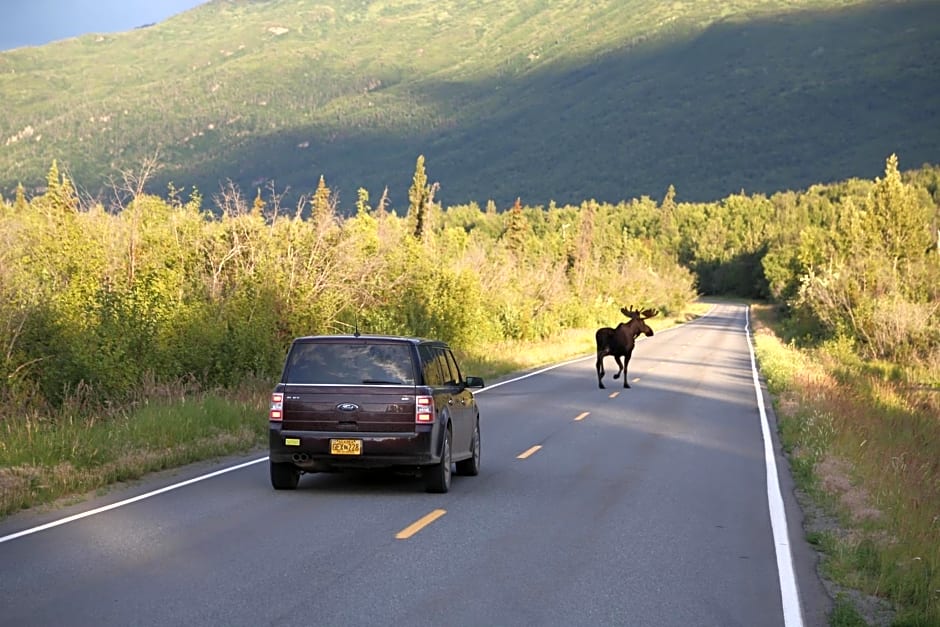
x=380, y=382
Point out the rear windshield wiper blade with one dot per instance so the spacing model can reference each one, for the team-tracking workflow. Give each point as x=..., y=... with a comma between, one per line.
x=380, y=382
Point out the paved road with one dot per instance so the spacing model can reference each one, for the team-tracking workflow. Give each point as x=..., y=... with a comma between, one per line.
x=646, y=506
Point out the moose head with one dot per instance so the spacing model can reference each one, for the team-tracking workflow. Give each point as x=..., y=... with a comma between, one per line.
x=637, y=318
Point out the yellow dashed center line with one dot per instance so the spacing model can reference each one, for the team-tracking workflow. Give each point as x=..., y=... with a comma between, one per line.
x=529, y=452
x=419, y=524
x=636, y=379
x=613, y=395
x=582, y=415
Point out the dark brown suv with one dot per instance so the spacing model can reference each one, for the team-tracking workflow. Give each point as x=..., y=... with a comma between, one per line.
x=357, y=401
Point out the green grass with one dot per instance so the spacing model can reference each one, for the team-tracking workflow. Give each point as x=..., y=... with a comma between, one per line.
x=46, y=458
x=609, y=100
x=844, y=614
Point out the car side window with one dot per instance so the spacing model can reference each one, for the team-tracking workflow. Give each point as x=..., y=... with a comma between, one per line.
x=455, y=377
x=430, y=365
x=440, y=356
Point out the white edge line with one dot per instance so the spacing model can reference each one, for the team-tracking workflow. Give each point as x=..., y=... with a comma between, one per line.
x=789, y=593
x=140, y=497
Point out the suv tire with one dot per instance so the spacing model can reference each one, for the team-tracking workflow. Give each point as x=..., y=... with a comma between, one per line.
x=284, y=476
x=471, y=467
x=437, y=477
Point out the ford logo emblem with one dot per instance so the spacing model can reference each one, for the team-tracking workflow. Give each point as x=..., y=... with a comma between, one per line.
x=347, y=407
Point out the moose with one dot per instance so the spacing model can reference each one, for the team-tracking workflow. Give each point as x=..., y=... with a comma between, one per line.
x=619, y=342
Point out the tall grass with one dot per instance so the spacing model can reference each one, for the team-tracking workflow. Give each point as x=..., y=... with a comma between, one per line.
x=44, y=458
x=864, y=440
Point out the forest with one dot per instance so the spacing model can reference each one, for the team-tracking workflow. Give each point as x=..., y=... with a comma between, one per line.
x=97, y=300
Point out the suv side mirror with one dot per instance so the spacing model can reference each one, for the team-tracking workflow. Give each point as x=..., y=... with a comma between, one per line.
x=474, y=382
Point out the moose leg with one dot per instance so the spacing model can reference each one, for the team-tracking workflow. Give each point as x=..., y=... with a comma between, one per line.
x=600, y=370
x=626, y=363
x=619, y=366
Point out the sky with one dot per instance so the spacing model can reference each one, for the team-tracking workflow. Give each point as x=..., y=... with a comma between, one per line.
x=37, y=22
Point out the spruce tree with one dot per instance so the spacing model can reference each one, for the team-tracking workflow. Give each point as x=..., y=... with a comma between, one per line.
x=898, y=221
x=60, y=194
x=418, y=196
x=668, y=225
x=322, y=207
x=362, y=202
x=517, y=228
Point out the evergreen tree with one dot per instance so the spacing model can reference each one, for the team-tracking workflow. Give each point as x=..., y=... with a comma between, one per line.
x=362, y=202
x=60, y=194
x=517, y=228
x=668, y=225
x=419, y=195
x=53, y=177
x=322, y=205
x=898, y=222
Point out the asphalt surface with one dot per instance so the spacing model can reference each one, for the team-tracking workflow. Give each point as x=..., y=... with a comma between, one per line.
x=641, y=506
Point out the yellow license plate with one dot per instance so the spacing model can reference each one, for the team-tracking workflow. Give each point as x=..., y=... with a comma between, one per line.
x=346, y=447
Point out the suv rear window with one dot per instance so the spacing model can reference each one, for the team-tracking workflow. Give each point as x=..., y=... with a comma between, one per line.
x=335, y=363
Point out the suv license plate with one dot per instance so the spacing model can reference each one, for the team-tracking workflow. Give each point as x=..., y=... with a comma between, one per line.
x=346, y=447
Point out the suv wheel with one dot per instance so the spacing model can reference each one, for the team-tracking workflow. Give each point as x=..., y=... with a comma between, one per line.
x=471, y=467
x=437, y=477
x=284, y=476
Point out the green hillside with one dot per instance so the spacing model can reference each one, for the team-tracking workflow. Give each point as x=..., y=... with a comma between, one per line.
x=543, y=99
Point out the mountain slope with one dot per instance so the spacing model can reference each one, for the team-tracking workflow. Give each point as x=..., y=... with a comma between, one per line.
x=548, y=100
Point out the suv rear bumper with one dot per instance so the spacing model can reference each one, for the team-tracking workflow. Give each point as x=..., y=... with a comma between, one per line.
x=310, y=450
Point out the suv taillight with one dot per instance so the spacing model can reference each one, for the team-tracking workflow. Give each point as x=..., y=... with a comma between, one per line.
x=277, y=407
x=424, y=409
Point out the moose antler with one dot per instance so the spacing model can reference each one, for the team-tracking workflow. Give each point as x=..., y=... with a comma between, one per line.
x=635, y=313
